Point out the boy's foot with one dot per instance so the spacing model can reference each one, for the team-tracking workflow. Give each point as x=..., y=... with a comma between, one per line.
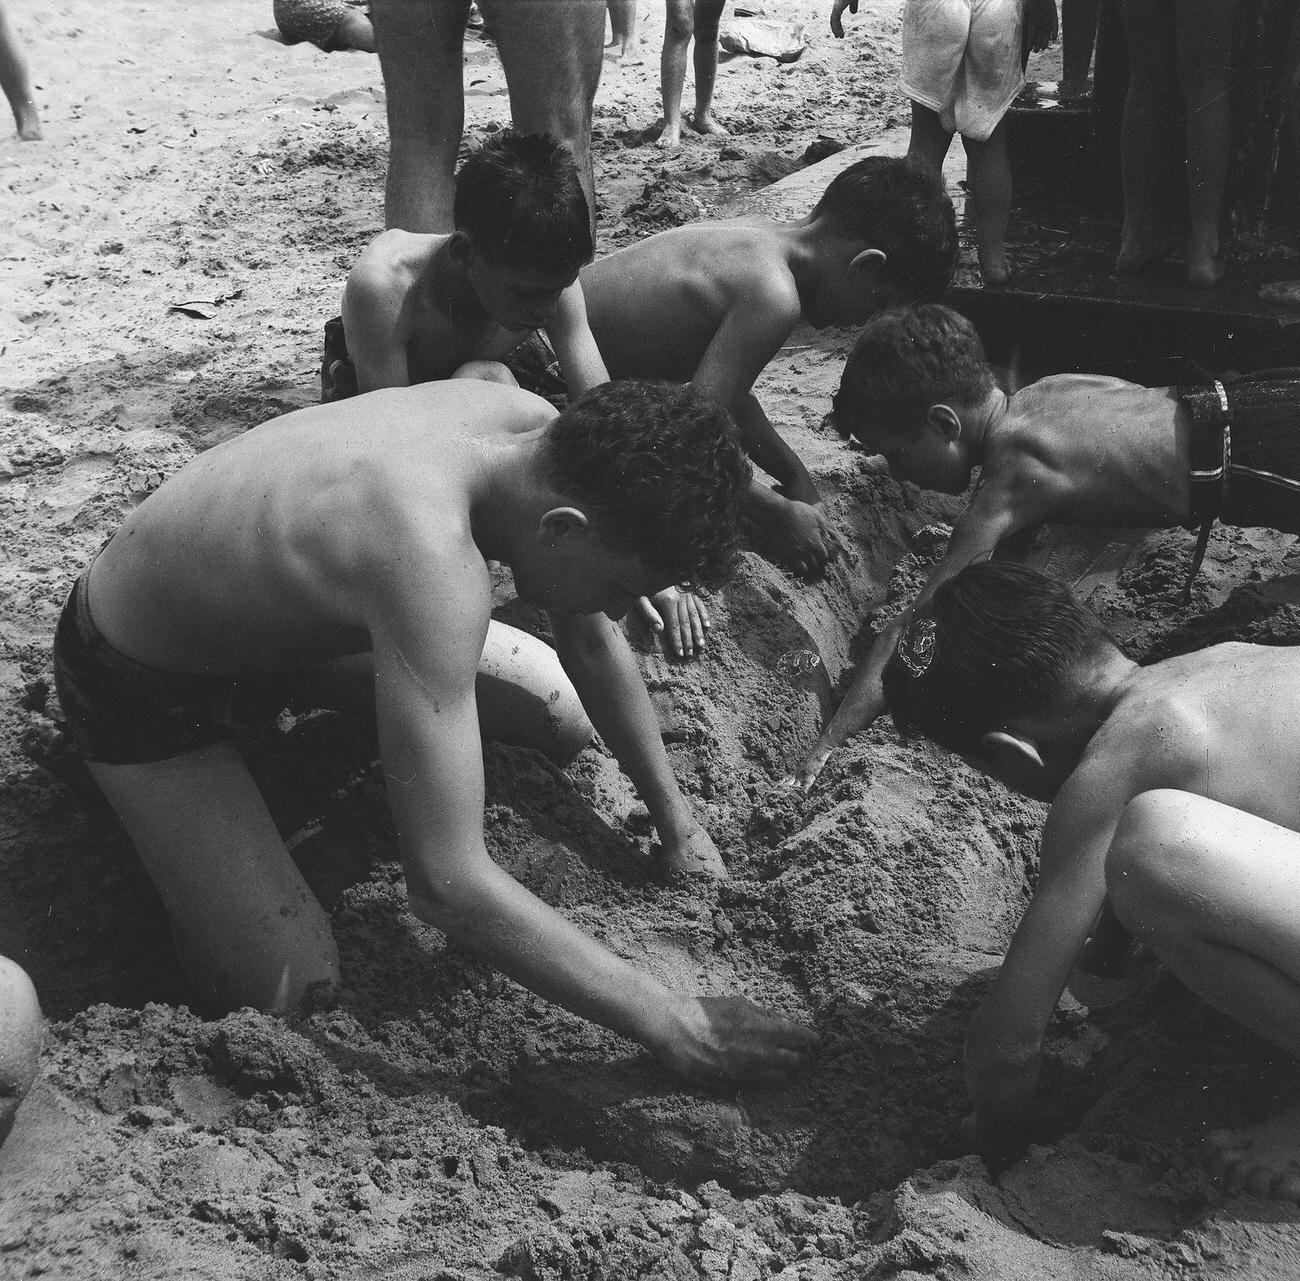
x=1262, y=1159
x=1204, y=272
x=670, y=139
x=706, y=122
x=995, y=270
x=29, y=123
x=1136, y=254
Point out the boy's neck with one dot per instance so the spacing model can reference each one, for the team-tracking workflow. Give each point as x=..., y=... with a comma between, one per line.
x=450, y=288
x=1067, y=731
x=813, y=247
x=507, y=493
x=981, y=423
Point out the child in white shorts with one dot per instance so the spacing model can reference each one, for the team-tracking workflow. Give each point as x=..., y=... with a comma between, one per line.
x=963, y=64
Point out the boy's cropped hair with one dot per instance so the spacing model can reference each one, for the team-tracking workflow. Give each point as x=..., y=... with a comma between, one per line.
x=660, y=469
x=519, y=199
x=896, y=206
x=995, y=642
x=907, y=359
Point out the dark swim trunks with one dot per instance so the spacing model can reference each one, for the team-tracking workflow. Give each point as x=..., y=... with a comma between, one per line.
x=121, y=712
x=1246, y=450
x=537, y=369
x=338, y=375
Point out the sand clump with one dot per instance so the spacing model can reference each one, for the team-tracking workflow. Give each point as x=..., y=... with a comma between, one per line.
x=441, y=1123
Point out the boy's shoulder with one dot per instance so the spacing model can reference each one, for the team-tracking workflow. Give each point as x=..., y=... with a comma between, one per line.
x=397, y=252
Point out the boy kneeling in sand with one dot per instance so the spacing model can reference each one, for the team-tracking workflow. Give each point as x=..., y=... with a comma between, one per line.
x=1173, y=792
x=347, y=545
x=419, y=307
x=1073, y=449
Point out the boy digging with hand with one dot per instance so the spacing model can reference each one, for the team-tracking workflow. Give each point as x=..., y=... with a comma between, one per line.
x=1172, y=791
x=1074, y=449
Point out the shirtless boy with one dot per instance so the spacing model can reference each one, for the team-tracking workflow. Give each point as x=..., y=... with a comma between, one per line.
x=352, y=540
x=422, y=307
x=711, y=303
x=1172, y=790
x=1074, y=449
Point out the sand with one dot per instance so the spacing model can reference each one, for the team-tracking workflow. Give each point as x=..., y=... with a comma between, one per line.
x=168, y=255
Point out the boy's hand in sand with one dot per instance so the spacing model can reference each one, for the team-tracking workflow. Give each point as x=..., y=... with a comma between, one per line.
x=807, y=540
x=806, y=772
x=693, y=854
x=837, y=20
x=731, y=1039
x=680, y=618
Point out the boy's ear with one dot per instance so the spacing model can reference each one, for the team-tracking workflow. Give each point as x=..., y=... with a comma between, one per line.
x=460, y=246
x=868, y=260
x=1010, y=755
x=944, y=419
x=558, y=523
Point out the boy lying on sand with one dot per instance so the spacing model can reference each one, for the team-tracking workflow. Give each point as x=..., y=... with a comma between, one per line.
x=1173, y=792
x=1075, y=449
x=341, y=552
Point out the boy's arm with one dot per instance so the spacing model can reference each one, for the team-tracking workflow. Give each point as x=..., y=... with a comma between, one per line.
x=596, y=656
x=371, y=323
x=574, y=345
x=996, y=511
x=1004, y=1039
x=425, y=662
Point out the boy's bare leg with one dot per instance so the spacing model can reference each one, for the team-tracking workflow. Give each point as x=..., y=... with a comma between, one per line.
x=420, y=44
x=989, y=175
x=622, y=26
x=708, y=17
x=1078, y=38
x=929, y=141
x=247, y=928
x=16, y=84
x=552, y=53
x=1204, y=35
x=1213, y=891
x=524, y=696
x=1145, y=135
x=357, y=31
x=678, y=29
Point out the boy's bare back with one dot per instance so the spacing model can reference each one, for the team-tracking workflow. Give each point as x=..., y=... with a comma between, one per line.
x=283, y=545
x=1087, y=449
x=656, y=306
x=1218, y=723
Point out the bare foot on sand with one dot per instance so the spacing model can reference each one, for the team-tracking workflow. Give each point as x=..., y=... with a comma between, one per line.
x=671, y=138
x=1136, y=252
x=1204, y=271
x=28, y=122
x=995, y=270
x=706, y=122
x=1262, y=1159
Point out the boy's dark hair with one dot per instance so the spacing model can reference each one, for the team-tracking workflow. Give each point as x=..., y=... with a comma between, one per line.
x=995, y=642
x=519, y=199
x=660, y=469
x=907, y=359
x=898, y=207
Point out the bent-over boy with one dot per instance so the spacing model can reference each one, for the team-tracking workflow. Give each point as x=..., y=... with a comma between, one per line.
x=1172, y=790
x=353, y=539
x=1073, y=449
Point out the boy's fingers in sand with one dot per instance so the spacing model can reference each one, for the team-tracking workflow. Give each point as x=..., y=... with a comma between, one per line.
x=837, y=20
x=805, y=774
x=731, y=1038
x=649, y=613
x=686, y=619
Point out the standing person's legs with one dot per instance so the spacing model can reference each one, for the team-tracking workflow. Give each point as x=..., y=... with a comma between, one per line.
x=678, y=30
x=929, y=141
x=1204, y=41
x=420, y=56
x=989, y=173
x=1078, y=38
x=247, y=928
x=1215, y=893
x=622, y=26
x=708, y=17
x=15, y=82
x=552, y=54
x=1145, y=137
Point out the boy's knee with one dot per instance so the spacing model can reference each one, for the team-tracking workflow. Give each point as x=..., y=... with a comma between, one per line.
x=1146, y=865
x=486, y=371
